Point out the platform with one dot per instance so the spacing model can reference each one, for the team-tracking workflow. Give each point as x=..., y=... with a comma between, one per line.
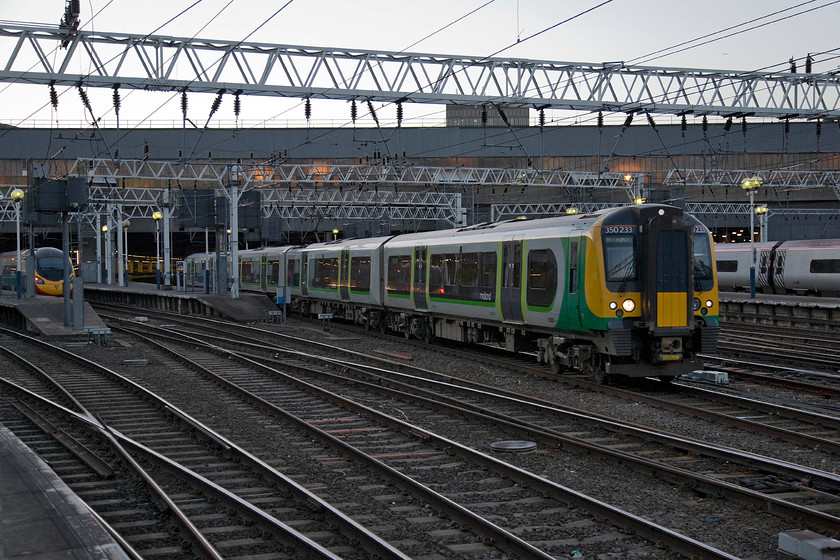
x=248, y=308
x=44, y=315
x=40, y=517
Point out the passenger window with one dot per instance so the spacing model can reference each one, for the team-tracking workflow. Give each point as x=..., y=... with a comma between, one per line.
x=542, y=278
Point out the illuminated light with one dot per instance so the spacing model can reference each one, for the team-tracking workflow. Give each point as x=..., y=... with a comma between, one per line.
x=571, y=211
x=104, y=229
x=17, y=195
x=709, y=303
x=157, y=215
x=628, y=305
x=761, y=209
x=335, y=232
x=522, y=217
x=628, y=177
x=639, y=200
x=613, y=305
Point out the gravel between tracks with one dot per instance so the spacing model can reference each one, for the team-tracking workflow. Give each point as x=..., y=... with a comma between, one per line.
x=741, y=531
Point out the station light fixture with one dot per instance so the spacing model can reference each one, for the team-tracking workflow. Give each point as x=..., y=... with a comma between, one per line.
x=571, y=211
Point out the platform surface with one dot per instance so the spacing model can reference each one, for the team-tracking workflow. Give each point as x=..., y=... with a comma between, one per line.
x=40, y=517
x=46, y=314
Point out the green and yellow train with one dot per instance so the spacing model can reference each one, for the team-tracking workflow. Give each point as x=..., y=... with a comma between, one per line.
x=626, y=291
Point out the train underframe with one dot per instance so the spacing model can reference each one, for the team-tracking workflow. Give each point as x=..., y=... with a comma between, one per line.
x=599, y=354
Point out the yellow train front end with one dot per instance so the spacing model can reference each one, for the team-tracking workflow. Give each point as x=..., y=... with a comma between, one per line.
x=652, y=290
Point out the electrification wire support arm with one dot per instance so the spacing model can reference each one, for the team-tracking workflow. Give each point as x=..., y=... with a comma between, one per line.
x=166, y=63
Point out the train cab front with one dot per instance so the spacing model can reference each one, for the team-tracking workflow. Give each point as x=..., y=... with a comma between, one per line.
x=677, y=289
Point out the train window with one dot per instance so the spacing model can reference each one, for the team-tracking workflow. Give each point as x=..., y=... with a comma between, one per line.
x=250, y=272
x=702, y=262
x=469, y=269
x=272, y=273
x=620, y=258
x=487, y=278
x=671, y=255
x=51, y=268
x=399, y=268
x=727, y=266
x=542, y=278
x=293, y=272
x=360, y=274
x=825, y=266
x=325, y=273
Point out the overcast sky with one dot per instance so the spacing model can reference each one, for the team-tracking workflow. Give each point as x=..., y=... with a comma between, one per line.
x=617, y=30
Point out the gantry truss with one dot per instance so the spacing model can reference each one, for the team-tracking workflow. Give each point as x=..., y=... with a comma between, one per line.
x=788, y=179
x=298, y=193
x=511, y=211
x=51, y=55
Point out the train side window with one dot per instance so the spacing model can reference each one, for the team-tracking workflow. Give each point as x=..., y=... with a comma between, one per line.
x=325, y=274
x=469, y=269
x=542, y=278
x=573, y=263
x=272, y=272
x=727, y=266
x=399, y=267
x=825, y=266
x=488, y=270
x=293, y=272
x=360, y=274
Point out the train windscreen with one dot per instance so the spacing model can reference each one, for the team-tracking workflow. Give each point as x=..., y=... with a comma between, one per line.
x=620, y=258
x=703, y=276
x=51, y=268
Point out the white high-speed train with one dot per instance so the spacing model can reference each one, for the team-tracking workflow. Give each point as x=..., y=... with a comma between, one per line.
x=781, y=267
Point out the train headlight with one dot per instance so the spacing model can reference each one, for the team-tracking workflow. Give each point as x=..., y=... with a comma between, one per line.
x=697, y=304
x=613, y=305
x=709, y=303
x=628, y=305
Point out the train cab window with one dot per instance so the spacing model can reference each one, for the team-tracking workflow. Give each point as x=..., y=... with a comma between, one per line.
x=620, y=258
x=825, y=266
x=727, y=266
x=325, y=273
x=51, y=268
x=399, y=274
x=293, y=272
x=703, y=278
x=542, y=278
x=360, y=274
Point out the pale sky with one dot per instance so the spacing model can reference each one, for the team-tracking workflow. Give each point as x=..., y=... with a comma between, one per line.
x=618, y=30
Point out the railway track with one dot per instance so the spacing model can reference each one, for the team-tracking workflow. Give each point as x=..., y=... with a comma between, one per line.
x=806, y=494
x=209, y=495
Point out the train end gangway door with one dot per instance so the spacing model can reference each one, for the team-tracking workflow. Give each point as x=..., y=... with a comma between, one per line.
x=511, y=292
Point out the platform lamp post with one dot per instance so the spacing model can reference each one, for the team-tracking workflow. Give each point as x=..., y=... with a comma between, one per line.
x=761, y=211
x=108, y=255
x=752, y=184
x=17, y=197
x=157, y=216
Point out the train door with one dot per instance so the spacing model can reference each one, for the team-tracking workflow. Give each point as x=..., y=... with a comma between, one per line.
x=344, y=275
x=764, y=273
x=511, y=294
x=668, y=284
x=418, y=292
x=304, y=274
x=577, y=246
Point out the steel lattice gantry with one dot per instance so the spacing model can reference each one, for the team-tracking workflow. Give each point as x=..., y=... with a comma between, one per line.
x=49, y=55
x=785, y=178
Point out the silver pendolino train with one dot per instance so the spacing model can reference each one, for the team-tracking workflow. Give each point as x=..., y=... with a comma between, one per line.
x=49, y=269
x=782, y=267
x=626, y=291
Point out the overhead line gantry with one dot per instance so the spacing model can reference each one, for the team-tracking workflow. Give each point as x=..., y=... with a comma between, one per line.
x=180, y=64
